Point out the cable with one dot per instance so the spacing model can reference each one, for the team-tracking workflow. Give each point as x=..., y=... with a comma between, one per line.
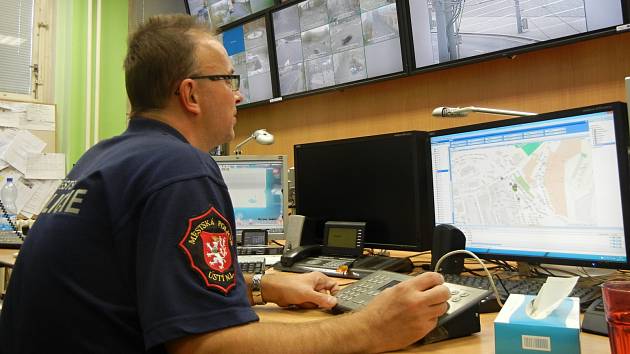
x=494, y=287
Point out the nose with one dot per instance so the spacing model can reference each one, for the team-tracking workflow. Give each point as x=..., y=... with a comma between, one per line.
x=238, y=97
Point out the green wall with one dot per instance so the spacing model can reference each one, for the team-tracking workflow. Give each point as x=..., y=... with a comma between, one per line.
x=71, y=52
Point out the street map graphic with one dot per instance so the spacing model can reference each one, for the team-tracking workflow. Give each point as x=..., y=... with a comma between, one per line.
x=535, y=183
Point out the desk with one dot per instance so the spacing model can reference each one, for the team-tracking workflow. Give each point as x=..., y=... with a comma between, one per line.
x=7, y=258
x=481, y=343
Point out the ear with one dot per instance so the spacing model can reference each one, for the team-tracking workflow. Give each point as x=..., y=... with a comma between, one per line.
x=189, y=96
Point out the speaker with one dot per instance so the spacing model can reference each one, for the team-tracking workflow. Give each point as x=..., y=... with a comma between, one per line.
x=448, y=238
x=293, y=231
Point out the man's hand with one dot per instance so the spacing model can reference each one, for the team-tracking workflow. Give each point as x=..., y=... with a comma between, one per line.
x=308, y=290
x=406, y=312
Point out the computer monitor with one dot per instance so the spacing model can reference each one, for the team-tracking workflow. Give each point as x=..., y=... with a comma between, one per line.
x=326, y=43
x=551, y=188
x=380, y=180
x=218, y=13
x=447, y=32
x=246, y=45
x=258, y=188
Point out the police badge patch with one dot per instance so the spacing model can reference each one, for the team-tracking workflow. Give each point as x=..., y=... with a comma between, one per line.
x=208, y=243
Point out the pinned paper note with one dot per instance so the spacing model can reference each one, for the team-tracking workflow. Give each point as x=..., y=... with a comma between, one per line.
x=550, y=296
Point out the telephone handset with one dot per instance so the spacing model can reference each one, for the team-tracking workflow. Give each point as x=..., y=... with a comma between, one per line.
x=360, y=293
x=289, y=257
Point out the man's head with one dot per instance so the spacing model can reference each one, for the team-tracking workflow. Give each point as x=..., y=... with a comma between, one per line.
x=161, y=53
x=167, y=66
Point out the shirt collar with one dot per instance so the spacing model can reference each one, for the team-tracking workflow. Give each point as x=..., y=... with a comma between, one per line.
x=142, y=124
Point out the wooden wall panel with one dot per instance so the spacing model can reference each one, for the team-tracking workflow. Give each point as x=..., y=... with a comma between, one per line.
x=578, y=74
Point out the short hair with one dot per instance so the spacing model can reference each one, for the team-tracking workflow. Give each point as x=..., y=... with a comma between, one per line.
x=160, y=54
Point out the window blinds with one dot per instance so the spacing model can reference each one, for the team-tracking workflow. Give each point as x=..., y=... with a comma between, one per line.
x=16, y=34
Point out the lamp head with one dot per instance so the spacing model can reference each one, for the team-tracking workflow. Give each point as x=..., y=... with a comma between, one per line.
x=263, y=137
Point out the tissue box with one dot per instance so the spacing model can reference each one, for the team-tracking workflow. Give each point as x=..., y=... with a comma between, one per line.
x=516, y=332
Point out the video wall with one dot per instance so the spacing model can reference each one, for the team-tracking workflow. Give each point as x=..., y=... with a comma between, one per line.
x=289, y=48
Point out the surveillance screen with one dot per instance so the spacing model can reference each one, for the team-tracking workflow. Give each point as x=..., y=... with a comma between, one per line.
x=222, y=12
x=445, y=30
x=247, y=47
x=321, y=43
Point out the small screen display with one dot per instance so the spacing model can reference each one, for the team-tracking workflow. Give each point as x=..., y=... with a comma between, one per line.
x=343, y=237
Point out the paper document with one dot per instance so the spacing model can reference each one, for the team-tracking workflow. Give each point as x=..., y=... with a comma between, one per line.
x=45, y=166
x=17, y=151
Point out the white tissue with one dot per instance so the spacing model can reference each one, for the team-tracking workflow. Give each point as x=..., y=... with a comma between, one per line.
x=550, y=296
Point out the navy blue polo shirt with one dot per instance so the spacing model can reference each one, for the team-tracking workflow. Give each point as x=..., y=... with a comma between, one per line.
x=135, y=248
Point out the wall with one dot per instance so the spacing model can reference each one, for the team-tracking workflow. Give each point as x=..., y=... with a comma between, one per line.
x=89, y=78
x=579, y=74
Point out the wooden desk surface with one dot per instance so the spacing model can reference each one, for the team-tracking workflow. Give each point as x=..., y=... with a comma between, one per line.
x=482, y=342
x=7, y=257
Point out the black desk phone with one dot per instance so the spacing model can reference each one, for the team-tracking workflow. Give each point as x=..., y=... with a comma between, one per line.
x=341, y=239
x=360, y=293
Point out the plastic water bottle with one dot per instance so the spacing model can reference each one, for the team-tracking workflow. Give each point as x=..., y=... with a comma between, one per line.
x=8, y=196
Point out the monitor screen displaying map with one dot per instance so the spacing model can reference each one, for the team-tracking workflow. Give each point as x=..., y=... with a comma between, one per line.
x=324, y=43
x=548, y=189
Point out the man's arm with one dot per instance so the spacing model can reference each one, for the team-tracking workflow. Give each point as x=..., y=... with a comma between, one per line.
x=396, y=318
x=308, y=290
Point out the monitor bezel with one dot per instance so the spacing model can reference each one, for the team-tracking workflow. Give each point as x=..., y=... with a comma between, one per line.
x=622, y=146
x=511, y=53
x=285, y=188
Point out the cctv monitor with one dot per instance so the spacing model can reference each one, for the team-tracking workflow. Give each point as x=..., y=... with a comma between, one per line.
x=258, y=189
x=551, y=188
x=446, y=32
x=327, y=43
x=246, y=45
x=380, y=180
x=218, y=13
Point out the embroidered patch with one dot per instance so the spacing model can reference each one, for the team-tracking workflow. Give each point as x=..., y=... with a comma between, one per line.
x=208, y=243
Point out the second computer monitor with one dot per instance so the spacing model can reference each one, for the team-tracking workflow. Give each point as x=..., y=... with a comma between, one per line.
x=546, y=189
x=258, y=188
x=380, y=180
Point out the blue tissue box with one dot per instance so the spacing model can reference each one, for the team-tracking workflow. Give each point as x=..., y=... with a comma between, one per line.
x=558, y=333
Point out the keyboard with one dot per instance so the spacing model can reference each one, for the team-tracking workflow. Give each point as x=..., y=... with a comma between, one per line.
x=527, y=286
x=255, y=267
x=10, y=240
x=595, y=319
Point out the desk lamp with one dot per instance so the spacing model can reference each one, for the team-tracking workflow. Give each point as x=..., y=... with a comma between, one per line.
x=463, y=111
x=262, y=137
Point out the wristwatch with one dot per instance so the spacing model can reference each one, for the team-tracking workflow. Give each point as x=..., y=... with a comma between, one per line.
x=257, y=289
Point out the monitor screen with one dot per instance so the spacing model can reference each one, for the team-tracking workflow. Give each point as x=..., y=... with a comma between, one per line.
x=247, y=48
x=323, y=43
x=380, y=180
x=552, y=188
x=445, y=31
x=257, y=186
x=219, y=13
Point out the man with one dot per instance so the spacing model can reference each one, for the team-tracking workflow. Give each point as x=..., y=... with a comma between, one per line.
x=135, y=251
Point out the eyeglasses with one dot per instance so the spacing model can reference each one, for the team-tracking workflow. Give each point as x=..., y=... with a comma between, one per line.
x=233, y=80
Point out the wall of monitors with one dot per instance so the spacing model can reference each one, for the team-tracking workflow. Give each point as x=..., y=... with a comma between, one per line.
x=323, y=43
x=247, y=47
x=222, y=12
x=293, y=47
x=448, y=30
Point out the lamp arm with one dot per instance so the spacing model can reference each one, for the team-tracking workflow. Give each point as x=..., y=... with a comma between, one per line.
x=498, y=111
x=237, y=148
